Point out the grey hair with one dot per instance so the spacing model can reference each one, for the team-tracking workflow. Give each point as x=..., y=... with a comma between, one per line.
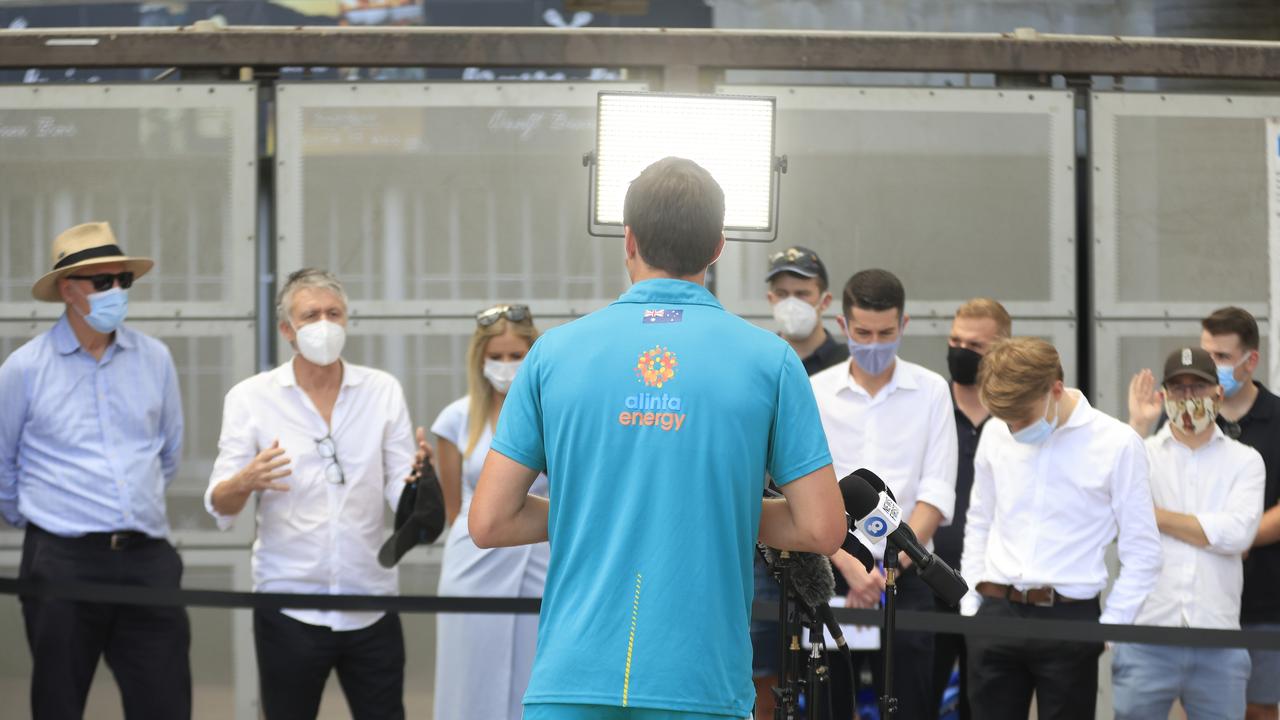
x=306, y=278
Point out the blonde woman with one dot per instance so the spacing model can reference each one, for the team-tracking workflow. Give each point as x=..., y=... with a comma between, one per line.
x=483, y=661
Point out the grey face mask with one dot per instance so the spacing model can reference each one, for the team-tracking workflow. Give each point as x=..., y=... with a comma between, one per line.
x=874, y=357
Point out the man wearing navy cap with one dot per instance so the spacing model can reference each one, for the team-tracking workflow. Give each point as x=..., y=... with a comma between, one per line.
x=1208, y=493
x=799, y=293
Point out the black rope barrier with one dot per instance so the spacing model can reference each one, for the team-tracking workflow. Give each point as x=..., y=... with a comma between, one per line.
x=933, y=622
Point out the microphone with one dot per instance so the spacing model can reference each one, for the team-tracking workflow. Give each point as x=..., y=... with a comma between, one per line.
x=851, y=544
x=814, y=584
x=878, y=516
x=811, y=577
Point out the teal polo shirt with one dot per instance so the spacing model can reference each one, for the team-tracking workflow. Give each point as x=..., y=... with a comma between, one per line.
x=656, y=420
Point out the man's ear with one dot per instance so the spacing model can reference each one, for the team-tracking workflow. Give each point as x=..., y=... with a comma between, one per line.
x=629, y=242
x=719, y=249
x=825, y=302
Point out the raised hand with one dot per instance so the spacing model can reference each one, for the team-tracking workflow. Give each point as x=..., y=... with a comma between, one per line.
x=265, y=469
x=1145, y=402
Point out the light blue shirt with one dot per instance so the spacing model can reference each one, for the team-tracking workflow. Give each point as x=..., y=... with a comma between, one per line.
x=656, y=420
x=88, y=445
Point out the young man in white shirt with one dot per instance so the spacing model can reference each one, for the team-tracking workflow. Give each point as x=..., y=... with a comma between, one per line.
x=321, y=444
x=1249, y=413
x=1054, y=483
x=1208, y=493
x=896, y=419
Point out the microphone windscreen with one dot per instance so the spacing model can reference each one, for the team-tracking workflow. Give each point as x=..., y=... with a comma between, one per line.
x=860, y=498
x=875, y=482
x=811, y=576
x=814, y=581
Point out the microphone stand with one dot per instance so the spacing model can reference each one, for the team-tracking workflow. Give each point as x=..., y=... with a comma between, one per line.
x=889, y=703
x=801, y=673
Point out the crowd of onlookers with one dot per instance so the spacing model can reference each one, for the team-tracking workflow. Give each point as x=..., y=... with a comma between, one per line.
x=1011, y=475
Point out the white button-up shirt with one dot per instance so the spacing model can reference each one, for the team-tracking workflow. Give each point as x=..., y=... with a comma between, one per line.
x=1221, y=483
x=906, y=434
x=1043, y=515
x=320, y=537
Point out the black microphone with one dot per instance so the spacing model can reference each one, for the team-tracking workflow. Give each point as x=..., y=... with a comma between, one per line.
x=877, y=515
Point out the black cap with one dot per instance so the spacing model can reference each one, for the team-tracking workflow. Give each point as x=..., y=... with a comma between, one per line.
x=799, y=260
x=1190, y=361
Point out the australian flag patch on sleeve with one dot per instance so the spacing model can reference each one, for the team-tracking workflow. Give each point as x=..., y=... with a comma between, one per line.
x=652, y=317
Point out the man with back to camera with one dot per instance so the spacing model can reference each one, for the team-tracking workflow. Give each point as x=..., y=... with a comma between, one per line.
x=1250, y=413
x=656, y=420
x=978, y=325
x=90, y=437
x=895, y=418
x=1208, y=499
x=1054, y=483
x=797, y=282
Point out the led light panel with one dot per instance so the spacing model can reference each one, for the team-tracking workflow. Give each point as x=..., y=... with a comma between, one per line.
x=730, y=136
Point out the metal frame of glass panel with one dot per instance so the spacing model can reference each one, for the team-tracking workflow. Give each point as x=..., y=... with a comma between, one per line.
x=292, y=99
x=1107, y=110
x=739, y=266
x=240, y=338
x=241, y=100
x=1111, y=376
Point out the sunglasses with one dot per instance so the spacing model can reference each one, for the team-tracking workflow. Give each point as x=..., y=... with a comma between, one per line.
x=104, y=281
x=792, y=255
x=329, y=452
x=514, y=313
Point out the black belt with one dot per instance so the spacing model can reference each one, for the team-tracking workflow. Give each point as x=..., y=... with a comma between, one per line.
x=112, y=540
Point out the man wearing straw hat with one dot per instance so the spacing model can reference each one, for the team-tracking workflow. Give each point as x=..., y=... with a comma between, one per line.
x=90, y=436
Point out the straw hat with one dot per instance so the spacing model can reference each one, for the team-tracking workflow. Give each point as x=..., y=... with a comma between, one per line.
x=81, y=246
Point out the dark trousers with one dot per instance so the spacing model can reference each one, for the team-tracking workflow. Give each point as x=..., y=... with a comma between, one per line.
x=1005, y=672
x=946, y=650
x=295, y=658
x=912, y=663
x=145, y=647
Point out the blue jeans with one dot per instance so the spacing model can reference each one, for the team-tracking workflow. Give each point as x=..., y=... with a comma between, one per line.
x=1210, y=682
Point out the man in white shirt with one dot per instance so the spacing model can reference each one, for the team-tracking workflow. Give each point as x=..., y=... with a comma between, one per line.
x=894, y=418
x=1208, y=493
x=1055, y=482
x=321, y=444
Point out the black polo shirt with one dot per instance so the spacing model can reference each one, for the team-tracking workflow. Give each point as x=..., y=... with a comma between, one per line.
x=828, y=353
x=948, y=541
x=1260, y=430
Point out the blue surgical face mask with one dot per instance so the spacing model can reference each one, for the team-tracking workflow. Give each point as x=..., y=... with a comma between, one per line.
x=107, y=309
x=1039, y=431
x=1227, y=377
x=874, y=357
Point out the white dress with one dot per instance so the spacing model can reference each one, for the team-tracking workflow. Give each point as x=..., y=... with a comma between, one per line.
x=483, y=661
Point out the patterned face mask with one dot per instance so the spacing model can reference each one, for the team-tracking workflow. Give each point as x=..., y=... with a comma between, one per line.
x=1203, y=411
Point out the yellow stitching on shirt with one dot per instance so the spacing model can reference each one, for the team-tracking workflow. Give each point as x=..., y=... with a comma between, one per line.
x=631, y=641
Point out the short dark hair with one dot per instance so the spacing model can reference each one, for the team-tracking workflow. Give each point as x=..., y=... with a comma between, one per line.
x=874, y=289
x=675, y=209
x=1233, y=321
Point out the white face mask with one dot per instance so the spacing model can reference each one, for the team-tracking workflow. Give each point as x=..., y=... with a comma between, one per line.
x=321, y=342
x=500, y=374
x=797, y=318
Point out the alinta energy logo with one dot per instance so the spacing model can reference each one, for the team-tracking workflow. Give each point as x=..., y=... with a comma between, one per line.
x=655, y=368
